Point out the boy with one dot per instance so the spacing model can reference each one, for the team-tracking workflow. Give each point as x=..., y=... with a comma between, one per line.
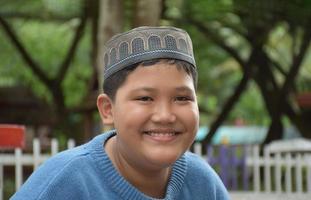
x=149, y=97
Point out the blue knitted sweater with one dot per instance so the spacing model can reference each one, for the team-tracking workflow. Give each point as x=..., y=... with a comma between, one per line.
x=86, y=172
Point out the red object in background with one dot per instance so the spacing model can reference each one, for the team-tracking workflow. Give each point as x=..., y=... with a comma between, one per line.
x=304, y=100
x=12, y=136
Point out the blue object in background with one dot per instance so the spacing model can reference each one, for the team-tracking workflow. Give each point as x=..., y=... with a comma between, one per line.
x=242, y=134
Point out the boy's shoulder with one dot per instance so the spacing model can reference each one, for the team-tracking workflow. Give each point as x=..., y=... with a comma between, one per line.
x=55, y=170
x=76, y=156
x=203, y=176
x=67, y=168
x=197, y=164
x=200, y=169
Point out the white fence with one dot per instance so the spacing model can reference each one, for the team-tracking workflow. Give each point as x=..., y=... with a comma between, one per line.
x=277, y=171
x=285, y=168
x=18, y=159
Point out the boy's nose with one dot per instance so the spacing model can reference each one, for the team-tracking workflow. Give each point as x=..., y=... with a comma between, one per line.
x=163, y=114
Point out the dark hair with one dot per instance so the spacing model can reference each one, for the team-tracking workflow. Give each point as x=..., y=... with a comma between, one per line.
x=112, y=83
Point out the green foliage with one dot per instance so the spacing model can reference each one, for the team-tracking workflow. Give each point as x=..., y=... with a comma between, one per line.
x=279, y=24
x=45, y=9
x=13, y=6
x=63, y=7
x=78, y=75
x=218, y=72
x=13, y=70
x=207, y=9
x=8, y=187
x=250, y=108
x=48, y=44
x=49, y=29
x=9, y=60
x=128, y=6
x=303, y=83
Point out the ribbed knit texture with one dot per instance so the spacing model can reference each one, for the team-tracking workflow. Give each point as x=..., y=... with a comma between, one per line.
x=86, y=172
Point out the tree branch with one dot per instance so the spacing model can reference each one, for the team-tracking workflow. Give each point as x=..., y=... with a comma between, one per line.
x=297, y=63
x=276, y=129
x=219, y=41
x=240, y=88
x=93, y=8
x=227, y=108
x=264, y=68
x=73, y=47
x=235, y=28
x=275, y=64
x=23, y=52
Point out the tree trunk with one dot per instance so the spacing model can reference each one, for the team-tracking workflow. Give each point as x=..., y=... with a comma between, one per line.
x=147, y=12
x=110, y=23
x=276, y=129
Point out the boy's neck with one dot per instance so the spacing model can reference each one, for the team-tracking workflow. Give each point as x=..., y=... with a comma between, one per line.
x=151, y=182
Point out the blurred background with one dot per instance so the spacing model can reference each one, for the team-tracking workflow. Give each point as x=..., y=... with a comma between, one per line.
x=253, y=57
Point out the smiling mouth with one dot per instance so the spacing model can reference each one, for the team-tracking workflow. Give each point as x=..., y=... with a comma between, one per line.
x=162, y=135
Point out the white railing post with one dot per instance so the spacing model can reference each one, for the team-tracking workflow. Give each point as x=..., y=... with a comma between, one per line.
x=288, y=174
x=1, y=182
x=198, y=148
x=308, y=161
x=54, y=146
x=256, y=166
x=36, y=153
x=18, y=168
x=71, y=144
x=267, y=173
x=278, y=175
x=18, y=160
x=293, y=162
x=298, y=173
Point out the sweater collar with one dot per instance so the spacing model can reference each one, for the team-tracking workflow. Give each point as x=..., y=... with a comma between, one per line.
x=122, y=186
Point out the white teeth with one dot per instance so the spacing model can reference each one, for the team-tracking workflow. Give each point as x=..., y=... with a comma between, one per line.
x=160, y=134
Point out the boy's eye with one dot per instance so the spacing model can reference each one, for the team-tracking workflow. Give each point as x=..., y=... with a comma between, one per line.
x=144, y=98
x=183, y=98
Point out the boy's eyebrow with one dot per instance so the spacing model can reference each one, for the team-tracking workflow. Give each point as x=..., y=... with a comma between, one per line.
x=184, y=89
x=147, y=89
x=179, y=89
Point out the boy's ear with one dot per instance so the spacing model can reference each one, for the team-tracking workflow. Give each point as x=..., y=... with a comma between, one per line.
x=104, y=106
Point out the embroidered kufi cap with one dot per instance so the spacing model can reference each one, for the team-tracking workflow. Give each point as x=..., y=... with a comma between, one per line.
x=146, y=43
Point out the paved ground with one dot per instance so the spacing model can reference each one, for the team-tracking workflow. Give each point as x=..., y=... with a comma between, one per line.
x=263, y=196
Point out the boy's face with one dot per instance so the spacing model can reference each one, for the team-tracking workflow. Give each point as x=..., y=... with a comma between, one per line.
x=155, y=114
